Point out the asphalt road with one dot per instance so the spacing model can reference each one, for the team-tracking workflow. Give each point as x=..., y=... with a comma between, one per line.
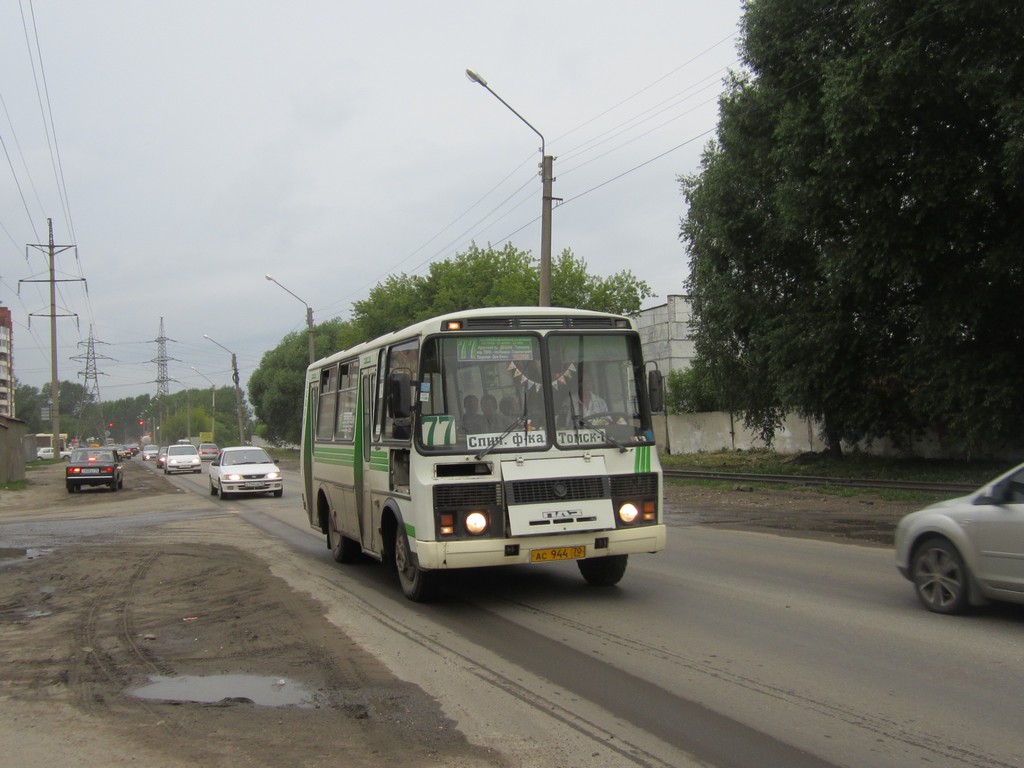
x=728, y=649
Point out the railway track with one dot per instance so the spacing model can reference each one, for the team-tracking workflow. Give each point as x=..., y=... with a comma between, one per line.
x=953, y=489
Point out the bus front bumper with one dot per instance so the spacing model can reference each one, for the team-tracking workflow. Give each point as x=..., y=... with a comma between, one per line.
x=477, y=553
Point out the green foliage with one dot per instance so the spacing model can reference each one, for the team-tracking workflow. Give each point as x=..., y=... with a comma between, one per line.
x=484, y=277
x=693, y=390
x=178, y=415
x=854, y=232
x=277, y=384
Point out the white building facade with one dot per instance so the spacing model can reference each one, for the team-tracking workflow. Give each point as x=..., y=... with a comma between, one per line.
x=665, y=334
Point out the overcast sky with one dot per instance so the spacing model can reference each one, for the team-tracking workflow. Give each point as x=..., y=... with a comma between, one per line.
x=205, y=143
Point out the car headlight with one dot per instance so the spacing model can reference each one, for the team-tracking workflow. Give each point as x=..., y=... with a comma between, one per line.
x=233, y=478
x=273, y=475
x=628, y=512
x=476, y=523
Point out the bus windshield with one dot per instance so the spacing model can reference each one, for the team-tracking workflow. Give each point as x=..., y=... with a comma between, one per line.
x=479, y=394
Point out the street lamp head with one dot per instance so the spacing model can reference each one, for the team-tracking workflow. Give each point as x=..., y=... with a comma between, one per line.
x=268, y=277
x=475, y=78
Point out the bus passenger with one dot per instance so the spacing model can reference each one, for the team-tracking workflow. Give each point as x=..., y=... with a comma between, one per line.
x=471, y=417
x=490, y=420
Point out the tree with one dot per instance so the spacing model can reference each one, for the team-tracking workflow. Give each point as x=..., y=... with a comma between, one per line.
x=484, y=277
x=277, y=384
x=693, y=390
x=853, y=232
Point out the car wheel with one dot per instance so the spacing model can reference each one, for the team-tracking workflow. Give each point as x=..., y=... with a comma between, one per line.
x=603, y=571
x=279, y=492
x=113, y=486
x=343, y=549
x=940, y=577
x=213, y=489
x=220, y=492
x=417, y=585
x=71, y=489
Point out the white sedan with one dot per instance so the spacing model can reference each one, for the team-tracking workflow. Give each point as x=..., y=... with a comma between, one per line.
x=244, y=469
x=969, y=550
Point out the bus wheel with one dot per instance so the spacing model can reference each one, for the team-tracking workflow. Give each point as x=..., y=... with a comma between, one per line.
x=343, y=549
x=417, y=585
x=603, y=571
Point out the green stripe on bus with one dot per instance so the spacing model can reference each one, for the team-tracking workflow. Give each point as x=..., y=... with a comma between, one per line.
x=379, y=460
x=642, y=462
x=339, y=456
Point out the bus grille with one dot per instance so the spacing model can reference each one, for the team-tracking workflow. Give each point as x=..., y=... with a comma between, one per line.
x=558, y=489
x=634, y=485
x=466, y=495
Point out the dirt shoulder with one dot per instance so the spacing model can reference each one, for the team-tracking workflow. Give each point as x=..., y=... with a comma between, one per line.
x=83, y=626
x=807, y=513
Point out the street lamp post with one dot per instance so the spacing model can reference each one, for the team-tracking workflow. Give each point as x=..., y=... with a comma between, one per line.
x=546, y=174
x=309, y=319
x=213, y=404
x=238, y=389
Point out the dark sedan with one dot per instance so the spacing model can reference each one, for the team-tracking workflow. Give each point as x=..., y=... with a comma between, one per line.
x=94, y=466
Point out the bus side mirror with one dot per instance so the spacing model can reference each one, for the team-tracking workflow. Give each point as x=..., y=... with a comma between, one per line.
x=399, y=398
x=400, y=405
x=655, y=390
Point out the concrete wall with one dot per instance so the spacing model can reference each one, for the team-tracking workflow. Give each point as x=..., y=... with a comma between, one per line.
x=717, y=431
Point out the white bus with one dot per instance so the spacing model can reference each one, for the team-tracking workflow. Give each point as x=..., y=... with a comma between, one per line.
x=486, y=437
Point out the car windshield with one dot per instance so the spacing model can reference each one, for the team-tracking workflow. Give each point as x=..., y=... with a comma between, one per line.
x=248, y=456
x=479, y=394
x=182, y=450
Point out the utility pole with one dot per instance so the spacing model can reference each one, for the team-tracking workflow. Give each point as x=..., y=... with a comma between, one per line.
x=52, y=250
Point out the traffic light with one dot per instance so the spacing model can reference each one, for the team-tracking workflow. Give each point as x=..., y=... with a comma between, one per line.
x=110, y=423
x=141, y=422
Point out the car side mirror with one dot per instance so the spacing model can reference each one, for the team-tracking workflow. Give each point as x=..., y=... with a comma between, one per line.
x=997, y=494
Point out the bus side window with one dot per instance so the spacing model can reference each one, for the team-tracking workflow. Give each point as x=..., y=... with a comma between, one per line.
x=328, y=403
x=347, y=387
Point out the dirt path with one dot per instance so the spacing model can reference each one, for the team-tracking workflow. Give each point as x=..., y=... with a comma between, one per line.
x=81, y=627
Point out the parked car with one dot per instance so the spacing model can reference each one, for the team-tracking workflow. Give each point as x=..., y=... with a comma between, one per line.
x=244, y=469
x=208, y=451
x=93, y=466
x=149, y=452
x=182, y=458
x=44, y=453
x=161, y=455
x=969, y=550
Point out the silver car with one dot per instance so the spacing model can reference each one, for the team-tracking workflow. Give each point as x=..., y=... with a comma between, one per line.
x=967, y=551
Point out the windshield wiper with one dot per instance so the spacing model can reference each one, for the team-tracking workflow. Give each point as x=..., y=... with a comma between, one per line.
x=579, y=420
x=515, y=423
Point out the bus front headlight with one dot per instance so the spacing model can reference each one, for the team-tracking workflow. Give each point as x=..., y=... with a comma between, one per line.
x=628, y=512
x=476, y=523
